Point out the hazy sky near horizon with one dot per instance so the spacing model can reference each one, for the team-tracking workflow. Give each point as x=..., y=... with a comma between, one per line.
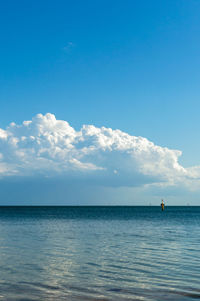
x=131, y=66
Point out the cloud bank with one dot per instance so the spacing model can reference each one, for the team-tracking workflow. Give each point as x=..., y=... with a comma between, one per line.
x=50, y=148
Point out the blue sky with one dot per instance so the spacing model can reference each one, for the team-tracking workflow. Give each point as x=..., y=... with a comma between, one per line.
x=128, y=65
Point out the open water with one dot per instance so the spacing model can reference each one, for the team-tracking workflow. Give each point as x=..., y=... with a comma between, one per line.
x=99, y=253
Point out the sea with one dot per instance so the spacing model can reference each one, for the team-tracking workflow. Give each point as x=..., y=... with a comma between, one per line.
x=100, y=253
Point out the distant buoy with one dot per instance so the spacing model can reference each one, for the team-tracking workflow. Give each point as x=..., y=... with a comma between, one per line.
x=162, y=206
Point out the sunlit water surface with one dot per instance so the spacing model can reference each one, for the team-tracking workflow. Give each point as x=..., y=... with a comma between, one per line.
x=99, y=253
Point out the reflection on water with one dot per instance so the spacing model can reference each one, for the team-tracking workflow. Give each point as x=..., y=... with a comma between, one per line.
x=99, y=253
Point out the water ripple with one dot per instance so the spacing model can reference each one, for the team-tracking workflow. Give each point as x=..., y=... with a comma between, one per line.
x=105, y=254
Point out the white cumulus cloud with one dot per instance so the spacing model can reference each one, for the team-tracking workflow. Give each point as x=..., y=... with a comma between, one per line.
x=49, y=147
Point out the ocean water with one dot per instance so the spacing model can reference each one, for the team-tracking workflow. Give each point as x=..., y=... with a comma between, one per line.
x=99, y=253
